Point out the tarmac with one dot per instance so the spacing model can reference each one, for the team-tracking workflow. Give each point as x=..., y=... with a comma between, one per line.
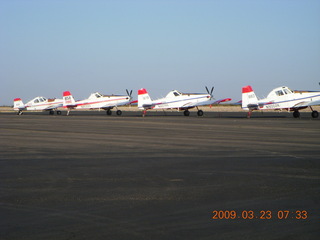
x=220, y=176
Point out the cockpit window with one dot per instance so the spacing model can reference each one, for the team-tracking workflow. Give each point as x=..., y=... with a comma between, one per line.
x=36, y=101
x=279, y=93
x=286, y=91
x=176, y=94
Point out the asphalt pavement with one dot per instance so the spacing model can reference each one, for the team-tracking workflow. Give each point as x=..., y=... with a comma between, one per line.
x=163, y=176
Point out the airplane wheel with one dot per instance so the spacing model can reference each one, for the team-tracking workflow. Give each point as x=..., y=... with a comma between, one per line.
x=200, y=113
x=109, y=112
x=58, y=112
x=315, y=114
x=51, y=112
x=20, y=113
x=186, y=113
x=119, y=112
x=296, y=114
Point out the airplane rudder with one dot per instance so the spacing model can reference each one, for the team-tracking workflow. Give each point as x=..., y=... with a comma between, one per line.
x=67, y=98
x=17, y=103
x=143, y=97
x=248, y=96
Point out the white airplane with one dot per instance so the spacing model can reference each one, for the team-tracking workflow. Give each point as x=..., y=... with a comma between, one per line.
x=97, y=101
x=281, y=98
x=38, y=103
x=177, y=100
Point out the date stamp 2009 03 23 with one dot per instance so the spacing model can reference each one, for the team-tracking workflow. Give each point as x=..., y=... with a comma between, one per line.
x=262, y=214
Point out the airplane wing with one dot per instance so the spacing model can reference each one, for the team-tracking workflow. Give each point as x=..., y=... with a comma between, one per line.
x=222, y=100
x=53, y=106
x=307, y=104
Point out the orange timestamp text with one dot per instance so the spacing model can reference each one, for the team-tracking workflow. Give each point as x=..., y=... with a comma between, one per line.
x=262, y=214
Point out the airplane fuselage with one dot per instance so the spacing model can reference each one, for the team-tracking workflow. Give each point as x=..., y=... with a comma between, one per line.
x=102, y=102
x=182, y=102
x=291, y=101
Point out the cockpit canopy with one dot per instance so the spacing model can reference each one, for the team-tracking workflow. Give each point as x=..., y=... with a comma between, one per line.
x=173, y=93
x=280, y=91
x=39, y=100
x=95, y=95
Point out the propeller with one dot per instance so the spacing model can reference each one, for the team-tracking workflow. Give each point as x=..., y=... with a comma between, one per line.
x=210, y=92
x=129, y=93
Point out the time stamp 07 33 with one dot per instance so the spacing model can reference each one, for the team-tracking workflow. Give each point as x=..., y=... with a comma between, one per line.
x=262, y=214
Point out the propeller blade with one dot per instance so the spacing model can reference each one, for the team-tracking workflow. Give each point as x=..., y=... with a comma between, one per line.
x=129, y=93
x=210, y=92
x=207, y=90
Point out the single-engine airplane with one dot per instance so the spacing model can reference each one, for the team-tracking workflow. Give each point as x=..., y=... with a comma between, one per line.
x=97, y=101
x=177, y=100
x=281, y=98
x=38, y=103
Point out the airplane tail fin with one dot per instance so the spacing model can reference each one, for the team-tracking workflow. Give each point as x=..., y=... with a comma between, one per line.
x=68, y=100
x=18, y=104
x=249, y=98
x=144, y=99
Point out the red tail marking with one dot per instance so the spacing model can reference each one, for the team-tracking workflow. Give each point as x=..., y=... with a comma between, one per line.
x=142, y=91
x=247, y=89
x=66, y=93
x=17, y=99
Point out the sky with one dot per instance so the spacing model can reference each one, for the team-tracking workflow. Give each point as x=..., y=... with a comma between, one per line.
x=50, y=46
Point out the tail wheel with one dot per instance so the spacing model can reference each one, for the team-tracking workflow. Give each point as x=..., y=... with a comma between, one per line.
x=186, y=113
x=109, y=112
x=119, y=112
x=200, y=113
x=315, y=114
x=296, y=114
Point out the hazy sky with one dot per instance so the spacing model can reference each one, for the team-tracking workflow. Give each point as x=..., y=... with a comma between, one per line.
x=49, y=46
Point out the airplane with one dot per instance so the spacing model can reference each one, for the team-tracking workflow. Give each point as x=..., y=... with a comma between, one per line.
x=177, y=100
x=97, y=101
x=281, y=98
x=38, y=103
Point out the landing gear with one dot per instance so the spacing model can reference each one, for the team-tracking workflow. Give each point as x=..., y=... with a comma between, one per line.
x=296, y=114
x=51, y=112
x=19, y=112
x=315, y=114
x=200, y=113
x=144, y=112
x=186, y=113
x=119, y=112
x=58, y=112
x=109, y=112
